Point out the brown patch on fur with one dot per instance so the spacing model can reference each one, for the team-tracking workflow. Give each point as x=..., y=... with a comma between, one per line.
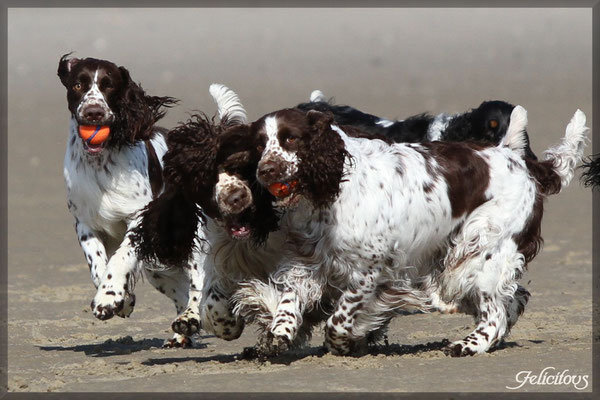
x=466, y=174
x=529, y=241
x=547, y=180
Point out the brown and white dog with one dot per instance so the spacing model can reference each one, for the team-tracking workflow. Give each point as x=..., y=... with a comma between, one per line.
x=381, y=227
x=108, y=183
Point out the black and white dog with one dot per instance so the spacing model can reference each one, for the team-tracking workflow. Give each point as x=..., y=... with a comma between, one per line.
x=108, y=183
x=447, y=226
x=591, y=172
x=210, y=181
x=487, y=123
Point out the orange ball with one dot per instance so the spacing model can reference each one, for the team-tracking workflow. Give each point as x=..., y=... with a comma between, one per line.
x=280, y=189
x=94, y=134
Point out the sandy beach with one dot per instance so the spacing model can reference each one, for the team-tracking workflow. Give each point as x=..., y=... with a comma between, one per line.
x=390, y=62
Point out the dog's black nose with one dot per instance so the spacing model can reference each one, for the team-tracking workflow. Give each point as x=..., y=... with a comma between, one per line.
x=269, y=171
x=94, y=113
x=236, y=198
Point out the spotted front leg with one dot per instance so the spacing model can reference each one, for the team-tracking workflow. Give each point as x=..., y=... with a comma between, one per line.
x=188, y=322
x=355, y=316
x=217, y=313
x=115, y=293
x=94, y=251
x=286, y=322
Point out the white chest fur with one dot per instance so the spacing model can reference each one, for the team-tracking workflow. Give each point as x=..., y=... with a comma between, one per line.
x=105, y=191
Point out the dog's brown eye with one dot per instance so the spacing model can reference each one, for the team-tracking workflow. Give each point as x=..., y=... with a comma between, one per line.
x=290, y=140
x=493, y=124
x=77, y=86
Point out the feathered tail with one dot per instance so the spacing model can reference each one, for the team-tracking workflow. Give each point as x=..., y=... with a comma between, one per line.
x=229, y=106
x=568, y=153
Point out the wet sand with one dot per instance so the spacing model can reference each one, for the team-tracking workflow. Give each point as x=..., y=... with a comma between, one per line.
x=391, y=62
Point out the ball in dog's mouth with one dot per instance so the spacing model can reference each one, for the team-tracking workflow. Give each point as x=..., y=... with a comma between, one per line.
x=94, y=137
x=282, y=189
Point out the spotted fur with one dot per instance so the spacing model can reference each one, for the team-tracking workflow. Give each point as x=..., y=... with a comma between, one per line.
x=108, y=184
x=446, y=226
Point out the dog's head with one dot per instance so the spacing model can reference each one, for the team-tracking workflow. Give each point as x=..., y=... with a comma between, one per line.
x=224, y=183
x=302, y=155
x=99, y=93
x=491, y=120
x=209, y=171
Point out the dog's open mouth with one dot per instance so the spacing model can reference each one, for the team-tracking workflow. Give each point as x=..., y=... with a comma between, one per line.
x=94, y=137
x=238, y=230
x=93, y=148
x=284, y=192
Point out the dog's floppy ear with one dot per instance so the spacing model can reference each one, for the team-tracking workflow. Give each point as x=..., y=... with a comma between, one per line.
x=139, y=112
x=191, y=159
x=591, y=172
x=135, y=118
x=65, y=65
x=167, y=229
x=322, y=159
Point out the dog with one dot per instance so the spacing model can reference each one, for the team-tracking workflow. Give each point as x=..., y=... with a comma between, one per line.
x=591, y=172
x=210, y=181
x=108, y=183
x=487, y=123
x=447, y=226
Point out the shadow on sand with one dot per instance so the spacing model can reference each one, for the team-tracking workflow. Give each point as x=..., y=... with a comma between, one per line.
x=250, y=354
x=110, y=347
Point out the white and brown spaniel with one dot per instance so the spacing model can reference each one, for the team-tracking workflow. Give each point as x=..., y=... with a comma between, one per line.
x=378, y=228
x=109, y=181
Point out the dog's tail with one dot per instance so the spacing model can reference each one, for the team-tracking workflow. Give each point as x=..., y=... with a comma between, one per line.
x=229, y=106
x=516, y=134
x=317, y=96
x=568, y=153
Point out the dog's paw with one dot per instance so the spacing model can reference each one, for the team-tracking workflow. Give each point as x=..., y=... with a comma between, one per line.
x=338, y=347
x=460, y=348
x=283, y=333
x=273, y=344
x=179, y=341
x=109, y=303
x=187, y=323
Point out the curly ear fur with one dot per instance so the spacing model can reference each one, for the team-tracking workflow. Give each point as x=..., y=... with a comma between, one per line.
x=322, y=159
x=591, y=172
x=190, y=162
x=167, y=229
x=137, y=112
x=265, y=218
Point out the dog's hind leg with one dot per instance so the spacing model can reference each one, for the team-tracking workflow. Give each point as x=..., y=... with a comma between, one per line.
x=489, y=282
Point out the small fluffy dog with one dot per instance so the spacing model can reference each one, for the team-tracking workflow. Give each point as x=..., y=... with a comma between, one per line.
x=487, y=123
x=446, y=226
x=109, y=181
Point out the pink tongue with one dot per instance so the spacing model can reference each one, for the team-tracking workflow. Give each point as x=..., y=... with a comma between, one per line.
x=238, y=230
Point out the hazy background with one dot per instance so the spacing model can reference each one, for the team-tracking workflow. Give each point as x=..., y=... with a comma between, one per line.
x=390, y=62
